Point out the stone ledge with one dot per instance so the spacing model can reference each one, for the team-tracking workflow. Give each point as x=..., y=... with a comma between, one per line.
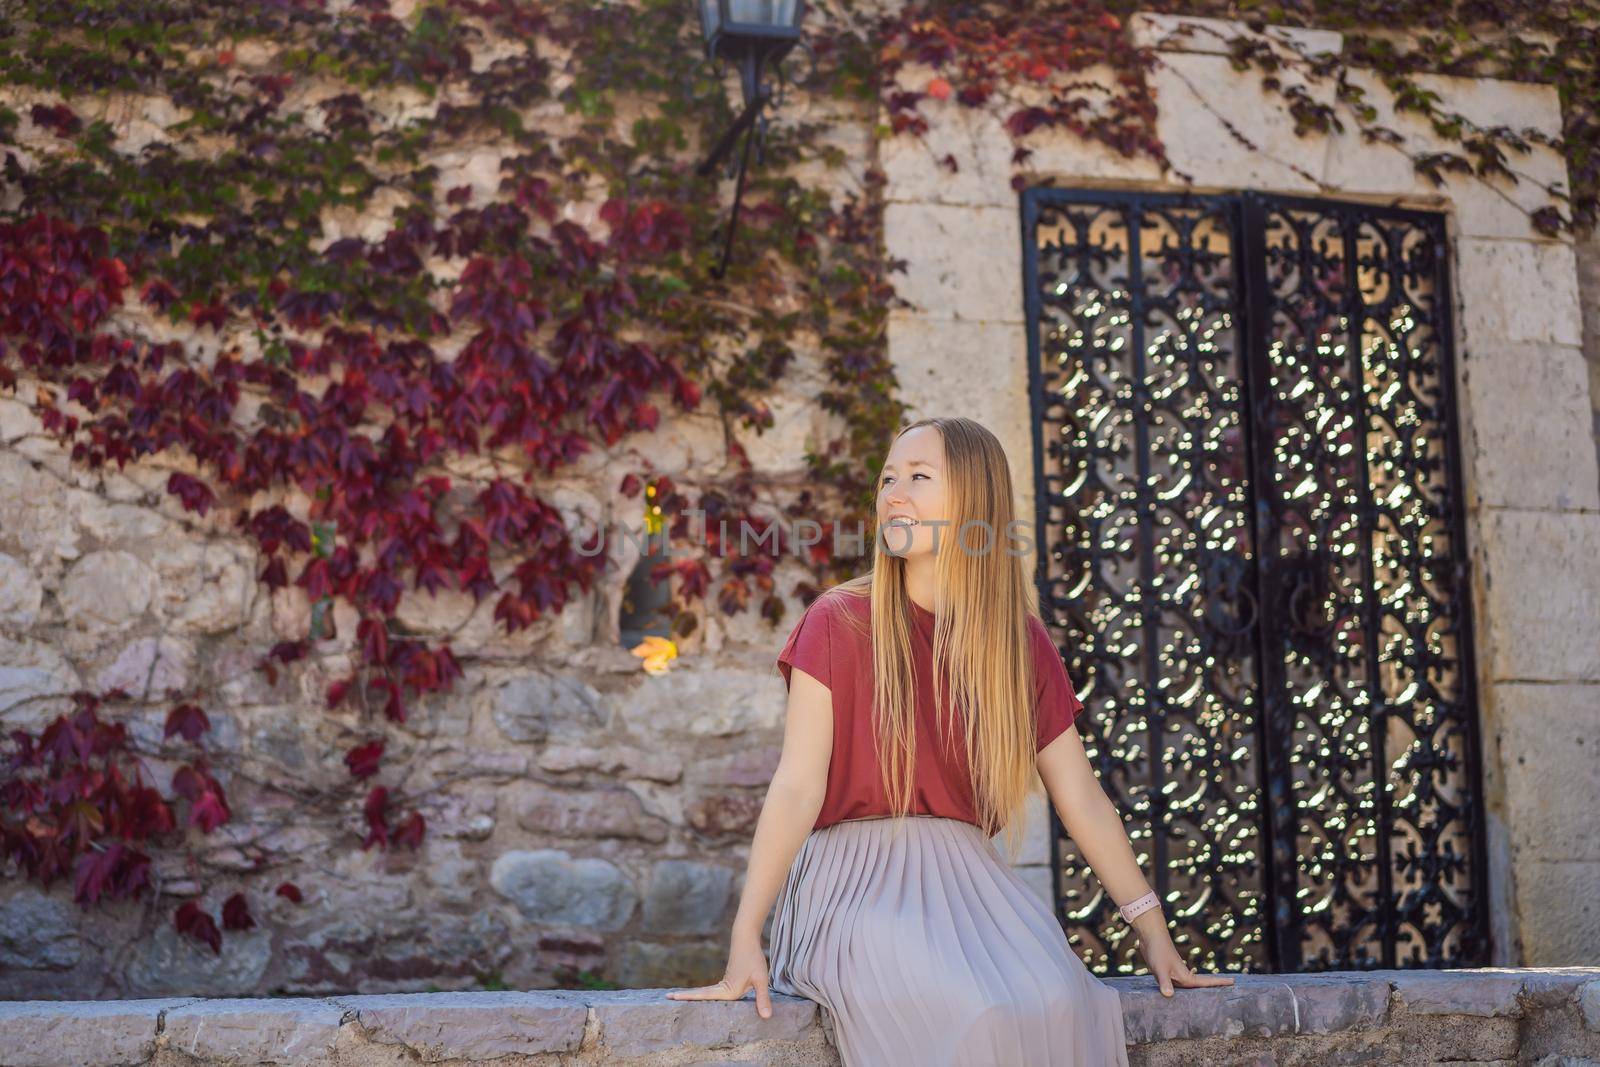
x=1529, y=1016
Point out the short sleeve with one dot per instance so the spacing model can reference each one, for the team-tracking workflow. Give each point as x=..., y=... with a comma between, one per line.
x=810, y=645
x=1058, y=703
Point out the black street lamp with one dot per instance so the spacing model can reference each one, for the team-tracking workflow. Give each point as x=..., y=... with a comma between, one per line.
x=753, y=34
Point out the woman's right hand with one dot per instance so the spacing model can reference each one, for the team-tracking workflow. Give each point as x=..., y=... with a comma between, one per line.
x=747, y=967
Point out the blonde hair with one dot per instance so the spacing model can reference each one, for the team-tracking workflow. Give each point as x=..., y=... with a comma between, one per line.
x=981, y=642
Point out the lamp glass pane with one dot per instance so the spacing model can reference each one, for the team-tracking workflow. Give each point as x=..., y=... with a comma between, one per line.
x=762, y=12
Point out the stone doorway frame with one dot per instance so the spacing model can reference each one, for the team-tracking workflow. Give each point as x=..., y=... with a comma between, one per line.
x=1531, y=489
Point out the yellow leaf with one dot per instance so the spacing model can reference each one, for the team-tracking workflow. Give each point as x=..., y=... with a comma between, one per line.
x=657, y=653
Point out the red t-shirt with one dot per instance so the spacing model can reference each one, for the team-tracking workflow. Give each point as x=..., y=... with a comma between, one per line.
x=828, y=648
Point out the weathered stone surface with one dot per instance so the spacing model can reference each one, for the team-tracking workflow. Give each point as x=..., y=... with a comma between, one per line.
x=1191, y=33
x=453, y=876
x=1493, y=208
x=470, y=1026
x=796, y=428
x=1559, y=911
x=1256, y=1006
x=750, y=766
x=962, y=262
x=587, y=814
x=35, y=685
x=1326, y=1004
x=148, y=666
x=47, y=1033
x=720, y=814
x=1589, y=1003
x=1486, y=992
x=621, y=761
x=1517, y=291
x=169, y=962
x=107, y=590
x=690, y=702
x=264, y=1030
x=1197, y=92
x=1035, y=833
x=203, y=588
x=1548, y=637
x=21, y=595
x=532, y=707
x=979, y=369
x=1550, y=733
x=1547, y=462
x=547, y=885
x=38, y=931
x=685, y=897
x=645, y=965
x=636, y=1022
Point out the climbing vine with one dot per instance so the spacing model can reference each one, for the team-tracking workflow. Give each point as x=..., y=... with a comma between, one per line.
x=411, y=262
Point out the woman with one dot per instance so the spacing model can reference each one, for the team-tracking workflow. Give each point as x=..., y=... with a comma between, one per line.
x=922, y=946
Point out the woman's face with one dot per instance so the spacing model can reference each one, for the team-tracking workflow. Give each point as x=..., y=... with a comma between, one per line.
x=911, y=486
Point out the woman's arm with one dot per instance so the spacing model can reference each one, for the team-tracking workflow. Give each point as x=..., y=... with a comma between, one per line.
x=787, y=815
x=1096, y=828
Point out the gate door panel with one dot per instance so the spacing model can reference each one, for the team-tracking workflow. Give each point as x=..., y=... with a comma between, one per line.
x=1251, y=547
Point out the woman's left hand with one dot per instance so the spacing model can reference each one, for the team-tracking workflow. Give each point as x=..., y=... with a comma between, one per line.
x=1161, y=955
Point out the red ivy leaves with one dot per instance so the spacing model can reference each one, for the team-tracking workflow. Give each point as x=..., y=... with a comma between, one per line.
x=363, y=759
x=191, y=920
x=1050, y=43
x=187, y=720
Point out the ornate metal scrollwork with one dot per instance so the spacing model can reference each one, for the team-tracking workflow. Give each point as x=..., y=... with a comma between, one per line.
x=1251, y=546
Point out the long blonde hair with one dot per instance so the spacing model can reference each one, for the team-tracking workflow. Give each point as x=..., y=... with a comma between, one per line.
x=981, y=644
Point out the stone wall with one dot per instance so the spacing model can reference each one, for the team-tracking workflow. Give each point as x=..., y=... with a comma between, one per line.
x=1525, y=404
x=583, y=816
x=1546, y=1017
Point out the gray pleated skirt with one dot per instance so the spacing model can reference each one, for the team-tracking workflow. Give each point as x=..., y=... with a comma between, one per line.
x=924, y=948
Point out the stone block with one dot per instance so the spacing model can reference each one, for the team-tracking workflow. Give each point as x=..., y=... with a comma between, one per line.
x=470, y=1026
x=1541, y=581
x=532, y=707
x=1256, y=1006
x=1327, y=1004
x=34, y=682
x=619, y=761
x=38, y=931
x=1497, y=208
x=721, y=814
x=639, y=1022
x=1483, y=992
x=1558, y=912
x=644, y=965
x=49, y=1033
x=1511, y=290
x=550, y=886
x=107, y=590
x=1191, y=33
x=1588, y=997
x=21, y=595
x=1195, y=93
x=696, y=702
x=587, y=814
x=1546, y=734
x=1035, y=833
x=255, y=1030
x=1527, y=410
x=796, y=429
x=976, y=369
x=961, y=262
x=686, y=897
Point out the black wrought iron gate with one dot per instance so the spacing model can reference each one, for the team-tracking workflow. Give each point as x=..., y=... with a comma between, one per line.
x=1251, y=545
